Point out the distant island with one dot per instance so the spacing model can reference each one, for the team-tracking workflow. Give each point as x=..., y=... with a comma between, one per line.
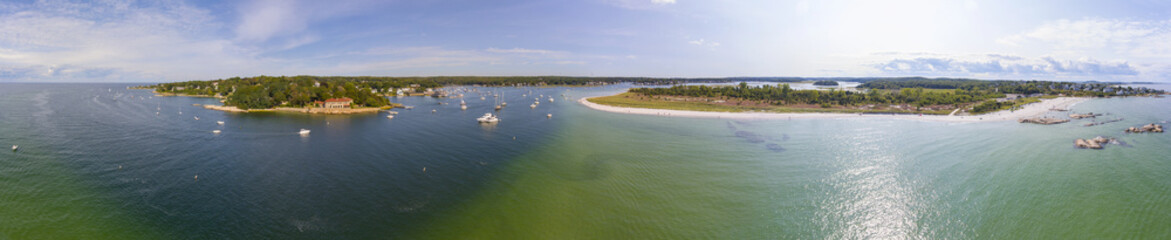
x=826, y=83
x=898, y=95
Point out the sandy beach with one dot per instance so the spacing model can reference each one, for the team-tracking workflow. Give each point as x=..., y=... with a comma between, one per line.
x=1029, y=110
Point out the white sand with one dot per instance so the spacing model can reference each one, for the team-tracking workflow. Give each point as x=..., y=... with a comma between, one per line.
x=1029, y=110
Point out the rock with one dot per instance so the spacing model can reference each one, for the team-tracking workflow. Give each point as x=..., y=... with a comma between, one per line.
x=1083, y=143
x=1155, y=128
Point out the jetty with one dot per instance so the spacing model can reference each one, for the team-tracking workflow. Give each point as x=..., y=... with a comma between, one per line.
x=1087, y=115
x=1043, y=120
x=1102, y=122
x=1151, y=128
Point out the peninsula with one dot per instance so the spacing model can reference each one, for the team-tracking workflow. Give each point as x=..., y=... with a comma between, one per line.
x=955, y=98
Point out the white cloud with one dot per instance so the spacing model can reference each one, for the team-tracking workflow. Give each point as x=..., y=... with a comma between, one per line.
x=802, y=7
x=1006, y=66
x=1089, y=33
x=523, y=51
x=702, y=42
x=263, y=19
x=157, y=41
x=638, y=4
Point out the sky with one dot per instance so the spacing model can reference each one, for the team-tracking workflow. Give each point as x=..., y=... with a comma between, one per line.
x=164, y=40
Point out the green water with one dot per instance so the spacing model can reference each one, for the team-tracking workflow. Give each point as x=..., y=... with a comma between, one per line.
x=583, y=174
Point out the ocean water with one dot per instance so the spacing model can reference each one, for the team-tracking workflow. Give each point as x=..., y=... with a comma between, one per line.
x=96, y=162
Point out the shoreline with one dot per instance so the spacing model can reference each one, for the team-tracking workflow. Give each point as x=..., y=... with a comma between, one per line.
x=327, y=111
x=1028, y=110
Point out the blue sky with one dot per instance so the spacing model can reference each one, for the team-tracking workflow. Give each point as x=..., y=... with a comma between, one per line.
x=121, y=41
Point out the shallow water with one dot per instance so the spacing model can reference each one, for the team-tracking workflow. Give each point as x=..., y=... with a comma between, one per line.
x=97, y=163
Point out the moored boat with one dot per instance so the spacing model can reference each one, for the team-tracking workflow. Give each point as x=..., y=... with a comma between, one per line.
x=488, y=118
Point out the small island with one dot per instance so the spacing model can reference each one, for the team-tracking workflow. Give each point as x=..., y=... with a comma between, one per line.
x=826, y=83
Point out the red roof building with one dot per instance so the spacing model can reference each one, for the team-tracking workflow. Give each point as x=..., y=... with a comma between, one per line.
x=338, y=103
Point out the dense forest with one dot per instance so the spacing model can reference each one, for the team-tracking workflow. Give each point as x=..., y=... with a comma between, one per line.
x=782, y=94
x=1013, y=87
x=911, y=92
x=826, y=83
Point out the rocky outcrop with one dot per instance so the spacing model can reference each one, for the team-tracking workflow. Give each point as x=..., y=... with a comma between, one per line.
x=1087, y=115
x=1154, y=128
x=1043, y=120
x=1093, y=143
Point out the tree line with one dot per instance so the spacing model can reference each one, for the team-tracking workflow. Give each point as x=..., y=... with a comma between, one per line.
x=782, y=94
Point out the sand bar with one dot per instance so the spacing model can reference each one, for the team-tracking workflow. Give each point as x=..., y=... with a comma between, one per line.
x=1028, y=110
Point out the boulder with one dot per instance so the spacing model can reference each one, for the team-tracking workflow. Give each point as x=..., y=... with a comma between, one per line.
x=1083, y=143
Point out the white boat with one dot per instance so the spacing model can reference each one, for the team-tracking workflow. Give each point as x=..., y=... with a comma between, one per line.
x=389, y=116
x=392, y=112
x=196, y=118
x=463, y=107
x=215, y=131
x=532, y=106
x=409, y=107
x=549, y=115
x=219, y=122
x=488, y=118
x=304, y=132
x=550, y=99
x=14, y=147
x=504, y=104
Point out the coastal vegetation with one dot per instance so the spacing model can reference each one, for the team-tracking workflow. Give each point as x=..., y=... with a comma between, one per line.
x=826, y=83
x=906, y=95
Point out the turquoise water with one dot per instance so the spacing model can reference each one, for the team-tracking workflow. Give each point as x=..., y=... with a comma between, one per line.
x=97, y=163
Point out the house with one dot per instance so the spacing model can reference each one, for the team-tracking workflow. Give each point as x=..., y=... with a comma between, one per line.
x=338, y=103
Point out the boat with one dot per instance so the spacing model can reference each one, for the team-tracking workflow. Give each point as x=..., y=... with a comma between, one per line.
x=463, y=107
x=304, y=132
x=215, y=131
x=14, y=147
x=488, y=118
x=392, y=112
x=409, y=107
x=549, y=115
x=532, y=106
x=498, y=107
x=389, y=116
x=196, y=118
x=550, y=99
x=219, y=122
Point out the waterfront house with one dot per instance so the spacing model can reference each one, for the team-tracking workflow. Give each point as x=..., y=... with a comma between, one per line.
x=338, y=103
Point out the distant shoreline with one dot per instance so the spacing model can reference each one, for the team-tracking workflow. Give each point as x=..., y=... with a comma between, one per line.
x=327, y=111
x=1028, y=110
